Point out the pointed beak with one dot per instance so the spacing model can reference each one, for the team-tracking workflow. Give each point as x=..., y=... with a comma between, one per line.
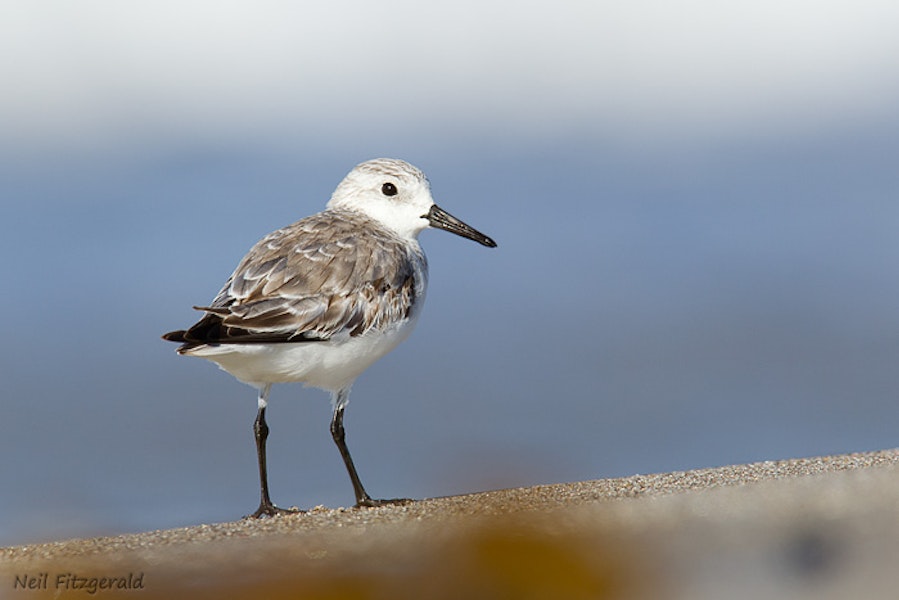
x=439, y=218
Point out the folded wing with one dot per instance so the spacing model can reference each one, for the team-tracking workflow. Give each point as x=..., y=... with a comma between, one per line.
x=331, y=274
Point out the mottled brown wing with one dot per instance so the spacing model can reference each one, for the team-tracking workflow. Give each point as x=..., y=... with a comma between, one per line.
x=330, y=273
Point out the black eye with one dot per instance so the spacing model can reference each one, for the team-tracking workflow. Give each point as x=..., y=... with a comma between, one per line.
x=388, y=189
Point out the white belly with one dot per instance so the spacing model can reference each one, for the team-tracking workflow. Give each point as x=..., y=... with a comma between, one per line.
x=330, y=365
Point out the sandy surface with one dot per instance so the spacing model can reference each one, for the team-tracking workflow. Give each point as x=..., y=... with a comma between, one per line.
x=817, y=528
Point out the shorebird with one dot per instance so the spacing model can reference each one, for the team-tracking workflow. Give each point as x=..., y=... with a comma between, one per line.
x=321, y=300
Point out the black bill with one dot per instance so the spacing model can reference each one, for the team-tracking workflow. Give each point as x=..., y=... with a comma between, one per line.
x=441, y=219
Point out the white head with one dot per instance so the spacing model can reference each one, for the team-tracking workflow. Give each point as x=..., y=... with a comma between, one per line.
x=397, y=195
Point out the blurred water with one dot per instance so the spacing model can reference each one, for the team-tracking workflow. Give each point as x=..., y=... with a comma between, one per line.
x=647, y=309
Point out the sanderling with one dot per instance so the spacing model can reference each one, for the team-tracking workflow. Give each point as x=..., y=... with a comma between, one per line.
x=322, y=299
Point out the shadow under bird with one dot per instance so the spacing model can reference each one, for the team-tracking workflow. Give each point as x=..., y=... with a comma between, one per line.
x=321, y=300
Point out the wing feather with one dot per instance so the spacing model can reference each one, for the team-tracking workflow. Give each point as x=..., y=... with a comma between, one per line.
x=333, y=273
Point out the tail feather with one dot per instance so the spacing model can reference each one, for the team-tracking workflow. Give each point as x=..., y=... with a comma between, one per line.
x=175, y=336
x=210, y=330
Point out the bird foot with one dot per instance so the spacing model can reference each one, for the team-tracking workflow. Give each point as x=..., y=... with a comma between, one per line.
x=372, y=502
x=270, y=510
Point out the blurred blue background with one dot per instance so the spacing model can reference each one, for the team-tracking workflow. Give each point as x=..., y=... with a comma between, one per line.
x=696, y=206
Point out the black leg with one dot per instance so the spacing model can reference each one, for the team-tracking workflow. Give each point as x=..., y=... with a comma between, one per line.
x=266, y=508
x=339, y=435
